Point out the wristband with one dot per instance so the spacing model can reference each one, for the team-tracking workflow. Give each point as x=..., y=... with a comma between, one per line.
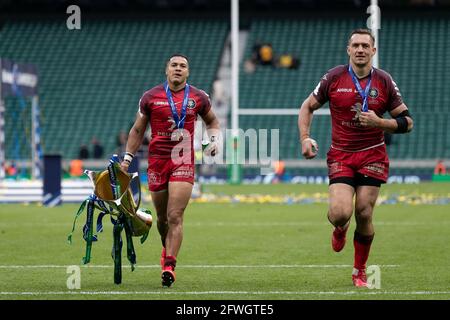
x=128, y=157
x=402, y=125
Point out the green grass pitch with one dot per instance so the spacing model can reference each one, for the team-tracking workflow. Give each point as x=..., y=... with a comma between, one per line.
x=234, y=251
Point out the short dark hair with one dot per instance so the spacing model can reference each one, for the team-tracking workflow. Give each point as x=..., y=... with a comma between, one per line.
x=362, y=31
x=177, y=55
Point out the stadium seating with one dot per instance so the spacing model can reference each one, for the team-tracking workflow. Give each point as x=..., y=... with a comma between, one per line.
x=414, y=51
x=91, y=79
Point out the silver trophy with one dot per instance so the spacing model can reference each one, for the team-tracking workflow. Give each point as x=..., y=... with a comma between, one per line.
x=113, y=195
x=113, y=187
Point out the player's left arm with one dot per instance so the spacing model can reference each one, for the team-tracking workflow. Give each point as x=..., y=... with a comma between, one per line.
x=401, y=121
x=213, y=130
x=403, y=118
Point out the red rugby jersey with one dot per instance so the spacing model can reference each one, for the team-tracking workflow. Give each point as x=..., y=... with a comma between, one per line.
x=155, y=105
x=337, y=87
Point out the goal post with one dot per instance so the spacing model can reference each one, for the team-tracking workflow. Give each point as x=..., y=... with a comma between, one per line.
x=373, y=23
x=20, y=81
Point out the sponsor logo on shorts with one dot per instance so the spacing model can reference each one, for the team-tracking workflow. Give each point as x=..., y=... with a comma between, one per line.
x=377, y=168
x=154, y=177
x=334, y=168
x=183, y=172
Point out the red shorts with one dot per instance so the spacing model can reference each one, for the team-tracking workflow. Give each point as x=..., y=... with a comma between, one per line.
x=161, y=171
x=373, y=162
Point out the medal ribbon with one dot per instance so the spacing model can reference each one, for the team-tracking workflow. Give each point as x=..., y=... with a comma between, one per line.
x=179, y=120
x=363, y=93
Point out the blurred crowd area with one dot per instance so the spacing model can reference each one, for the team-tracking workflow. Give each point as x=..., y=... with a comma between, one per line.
x=36, y=6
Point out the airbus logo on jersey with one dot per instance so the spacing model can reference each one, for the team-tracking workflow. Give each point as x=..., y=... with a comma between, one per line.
x=344, y=90
x=164, y=103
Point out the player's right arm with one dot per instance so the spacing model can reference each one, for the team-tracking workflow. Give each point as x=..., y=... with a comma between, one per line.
x=305, y=116
x=135, y=138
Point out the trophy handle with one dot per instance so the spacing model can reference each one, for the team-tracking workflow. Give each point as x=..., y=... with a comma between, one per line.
x=135, y=183
x=92, y=176
x=129, y=200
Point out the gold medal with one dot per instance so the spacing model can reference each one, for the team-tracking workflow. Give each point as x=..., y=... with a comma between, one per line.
x=177, y=135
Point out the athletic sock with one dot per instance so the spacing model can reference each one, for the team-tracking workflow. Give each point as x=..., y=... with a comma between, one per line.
x=362, y=248
x=170, y=261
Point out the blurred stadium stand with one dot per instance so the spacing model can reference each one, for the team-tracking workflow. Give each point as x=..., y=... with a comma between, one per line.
x=45, y=6
x=91, y=79
x=414, y=51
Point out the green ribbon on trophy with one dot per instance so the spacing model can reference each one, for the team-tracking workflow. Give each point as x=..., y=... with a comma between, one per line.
x=113, y=195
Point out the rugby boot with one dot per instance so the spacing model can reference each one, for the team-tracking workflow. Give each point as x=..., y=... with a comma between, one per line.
x=359, y=277
x=168, y=272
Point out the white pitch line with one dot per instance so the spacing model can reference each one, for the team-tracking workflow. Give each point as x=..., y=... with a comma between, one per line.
x=247, y=224
x=281, y=293
x=219, y=266
x=307, y=223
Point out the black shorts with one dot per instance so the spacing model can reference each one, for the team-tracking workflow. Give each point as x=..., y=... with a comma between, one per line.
x=358, y=180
